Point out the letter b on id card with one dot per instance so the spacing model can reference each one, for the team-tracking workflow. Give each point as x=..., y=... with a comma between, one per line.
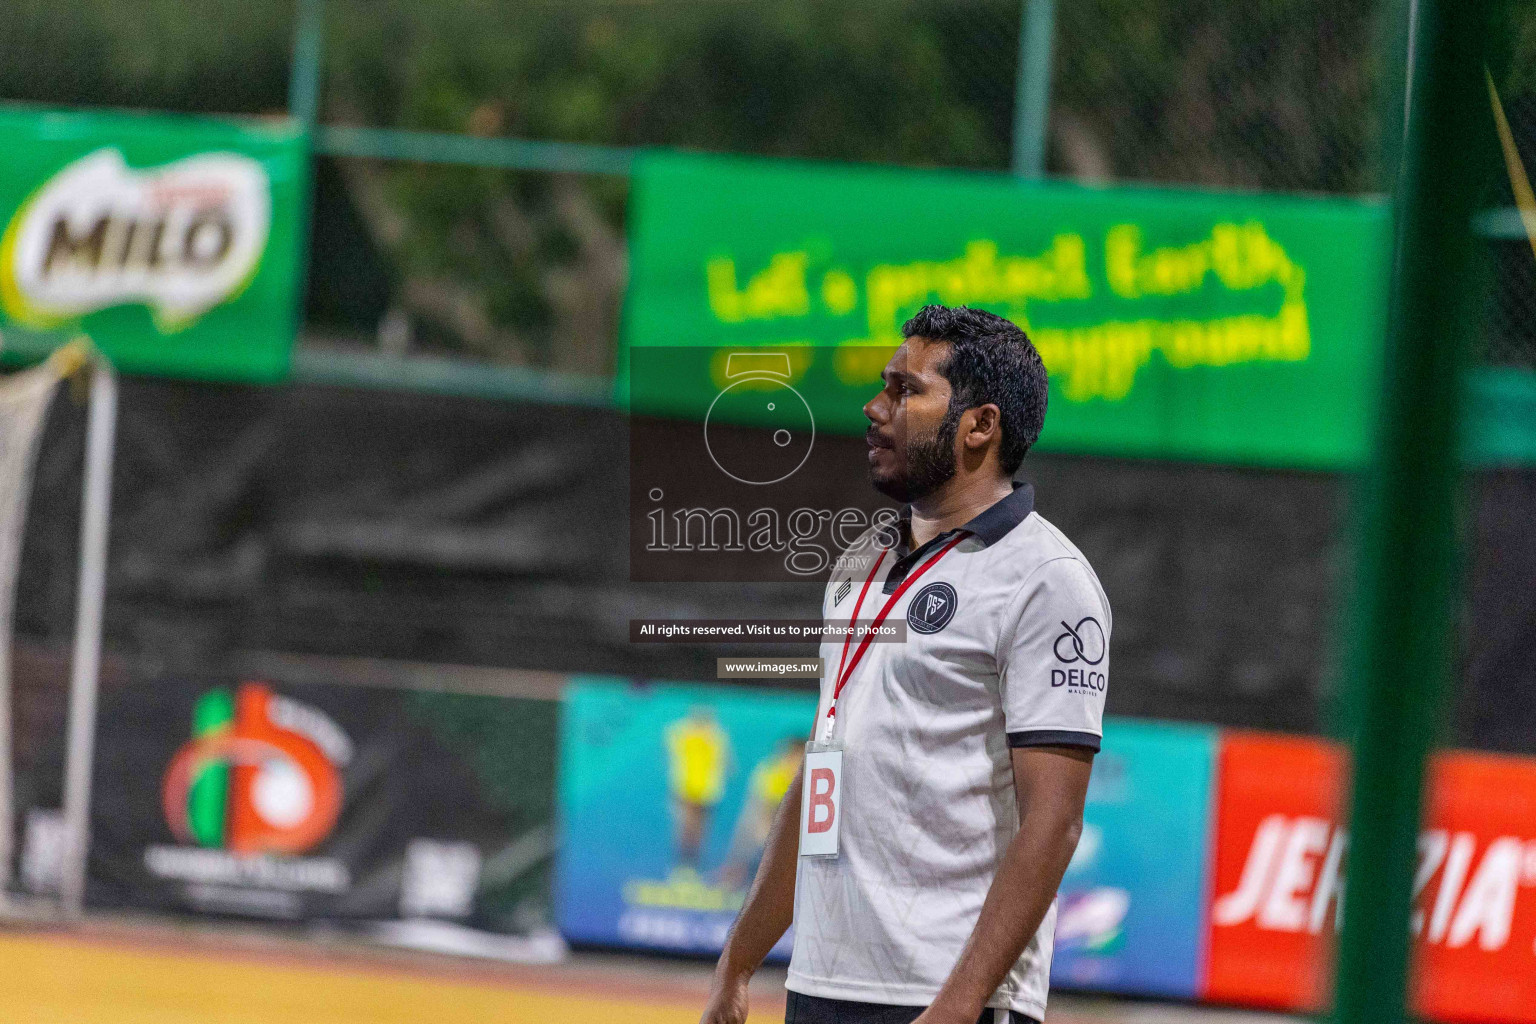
x=821, y=801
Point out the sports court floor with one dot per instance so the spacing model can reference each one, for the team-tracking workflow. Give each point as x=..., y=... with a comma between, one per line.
x=128, y=973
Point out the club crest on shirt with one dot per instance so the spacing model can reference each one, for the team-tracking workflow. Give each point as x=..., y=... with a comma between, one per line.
x=932, y=608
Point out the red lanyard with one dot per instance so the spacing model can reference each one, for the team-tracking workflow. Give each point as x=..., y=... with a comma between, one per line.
x=844, y=674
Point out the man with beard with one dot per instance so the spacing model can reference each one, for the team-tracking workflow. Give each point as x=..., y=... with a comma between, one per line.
x=947, y=773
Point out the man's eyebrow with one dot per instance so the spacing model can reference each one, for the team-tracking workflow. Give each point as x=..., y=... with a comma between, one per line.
x=889, y=374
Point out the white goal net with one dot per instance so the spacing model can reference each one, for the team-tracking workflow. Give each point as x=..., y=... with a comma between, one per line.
x=25, y=397
x=24, y=401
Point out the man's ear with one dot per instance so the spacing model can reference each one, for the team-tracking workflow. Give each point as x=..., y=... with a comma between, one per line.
x=983, y=422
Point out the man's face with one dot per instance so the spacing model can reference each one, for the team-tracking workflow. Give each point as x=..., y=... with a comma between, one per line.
x=911, y=446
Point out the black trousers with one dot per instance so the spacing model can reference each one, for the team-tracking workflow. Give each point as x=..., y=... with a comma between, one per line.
x=803, y=1009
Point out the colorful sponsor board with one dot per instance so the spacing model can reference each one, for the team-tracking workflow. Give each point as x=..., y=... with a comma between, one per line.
x=689, y=778
x=171, y=241
x=309, y=802
x=666, y=796
x=1279, y=881
x=1234, y=898
x=261, y=774
x=1174, y=323
x=1129, y=911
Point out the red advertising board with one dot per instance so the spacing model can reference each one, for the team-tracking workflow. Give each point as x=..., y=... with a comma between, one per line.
x=1279, y=877
x=1277, y=867
x=1475, y=915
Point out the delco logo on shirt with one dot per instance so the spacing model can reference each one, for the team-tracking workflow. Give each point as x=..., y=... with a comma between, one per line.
x=1083, y=647
x=1081, y=679
x=180, y=238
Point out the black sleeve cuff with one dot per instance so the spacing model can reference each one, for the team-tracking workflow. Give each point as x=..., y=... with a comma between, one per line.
x=1054, y=738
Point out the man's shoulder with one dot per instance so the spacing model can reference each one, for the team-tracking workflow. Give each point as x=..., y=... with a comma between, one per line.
x=1038, y=550
x=1036, y=542
x=1048, y=580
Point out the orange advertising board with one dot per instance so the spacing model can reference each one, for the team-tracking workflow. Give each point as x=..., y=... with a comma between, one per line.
x=1278, y=863
x=1475, y=912
x=1278, y=879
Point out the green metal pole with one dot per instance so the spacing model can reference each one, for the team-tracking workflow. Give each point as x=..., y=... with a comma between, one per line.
x=445, y=148
x=1407, y=567
x=304, y=107
x=1032, y=88
x=304, y=80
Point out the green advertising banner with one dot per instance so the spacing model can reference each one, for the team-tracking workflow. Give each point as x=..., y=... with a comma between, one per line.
x=1179, y=324
x=172, y=242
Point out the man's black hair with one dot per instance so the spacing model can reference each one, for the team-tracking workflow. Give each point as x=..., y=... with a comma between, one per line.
x=990, y=360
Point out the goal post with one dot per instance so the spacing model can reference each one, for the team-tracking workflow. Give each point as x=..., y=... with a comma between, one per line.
x=25, y=398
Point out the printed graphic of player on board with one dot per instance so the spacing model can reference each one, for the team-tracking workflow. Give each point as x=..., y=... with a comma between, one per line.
x=770, y=780
x=699, y=756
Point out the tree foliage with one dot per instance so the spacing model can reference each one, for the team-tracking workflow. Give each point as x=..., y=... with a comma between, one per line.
x=527, y=267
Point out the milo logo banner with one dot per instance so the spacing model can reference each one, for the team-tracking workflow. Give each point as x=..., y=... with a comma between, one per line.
x=260, y=799
x=172, y=242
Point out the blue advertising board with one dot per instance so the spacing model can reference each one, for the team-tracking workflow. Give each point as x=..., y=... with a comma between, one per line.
x=667, y=792
x=1129, y=910
x=666, y=795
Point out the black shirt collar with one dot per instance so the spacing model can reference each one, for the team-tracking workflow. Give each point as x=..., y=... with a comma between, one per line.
x=989, y=527
x=993, y=524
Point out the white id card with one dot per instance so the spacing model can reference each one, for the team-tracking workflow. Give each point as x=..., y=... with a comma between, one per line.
x=821, y=800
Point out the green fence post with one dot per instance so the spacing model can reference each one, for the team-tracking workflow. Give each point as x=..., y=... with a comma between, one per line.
x=304, y=77
x=304, y=106
x=1032, y=88
x=1400, y=658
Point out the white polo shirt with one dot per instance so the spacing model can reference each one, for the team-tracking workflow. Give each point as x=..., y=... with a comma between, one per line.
x=1007, y=645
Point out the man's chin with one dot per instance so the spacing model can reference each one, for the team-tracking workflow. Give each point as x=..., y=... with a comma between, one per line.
x=903, y=489
x=893, y=487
